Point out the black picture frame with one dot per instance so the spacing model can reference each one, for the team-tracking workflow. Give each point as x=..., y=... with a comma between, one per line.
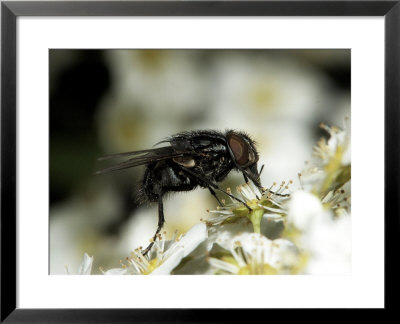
x=11, y=10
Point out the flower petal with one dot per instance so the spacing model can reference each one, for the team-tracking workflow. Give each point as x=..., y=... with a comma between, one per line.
x=193, y=238
x=86, y=266
x=303, y=209
x=223, y=234
x=169, y=264
x=116, y=271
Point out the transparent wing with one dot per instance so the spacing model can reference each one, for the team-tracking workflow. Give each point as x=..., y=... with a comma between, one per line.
x=165, y=149
x=142, y=157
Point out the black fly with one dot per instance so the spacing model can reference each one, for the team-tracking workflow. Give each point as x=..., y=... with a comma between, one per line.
x=195, y=158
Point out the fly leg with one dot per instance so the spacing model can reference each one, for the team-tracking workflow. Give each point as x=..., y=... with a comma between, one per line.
x=215, y=195
x=245, y=178
x=212, y=185
x=262, y=189
x=160, y=225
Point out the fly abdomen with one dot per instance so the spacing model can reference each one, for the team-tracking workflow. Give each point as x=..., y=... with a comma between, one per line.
x=164, y=177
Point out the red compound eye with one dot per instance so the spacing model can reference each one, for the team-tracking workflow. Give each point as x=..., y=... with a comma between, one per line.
x=240, y=149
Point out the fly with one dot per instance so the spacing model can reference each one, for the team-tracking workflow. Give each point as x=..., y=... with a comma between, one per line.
x=191, y=159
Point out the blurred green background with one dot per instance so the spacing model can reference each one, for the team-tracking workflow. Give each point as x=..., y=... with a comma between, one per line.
x=110, y=101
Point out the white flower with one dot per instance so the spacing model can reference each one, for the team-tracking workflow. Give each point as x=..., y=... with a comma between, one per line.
x=305, y=209
x=116, y=272
x=235, y=218
x=337, y=147
x=222, y=234
x=330, y=169
x=86, y=266
x=164, y=256
x=339, y=200
x=325, y=240
x=331, y=247
x=271, y=201
x=252, y=253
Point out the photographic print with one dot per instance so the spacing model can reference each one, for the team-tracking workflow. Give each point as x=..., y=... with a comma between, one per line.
x=205, y=162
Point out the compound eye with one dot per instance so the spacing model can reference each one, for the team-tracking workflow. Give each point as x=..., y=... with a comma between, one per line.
x=239, y=148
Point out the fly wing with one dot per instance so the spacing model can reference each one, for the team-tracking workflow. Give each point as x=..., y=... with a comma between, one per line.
x=143, y=157
x=118, y=155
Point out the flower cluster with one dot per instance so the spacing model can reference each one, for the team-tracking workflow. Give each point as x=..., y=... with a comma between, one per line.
x=329, y=173
x=284, y=231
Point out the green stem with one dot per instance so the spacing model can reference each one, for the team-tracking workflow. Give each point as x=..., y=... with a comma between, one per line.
x=255, y=217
